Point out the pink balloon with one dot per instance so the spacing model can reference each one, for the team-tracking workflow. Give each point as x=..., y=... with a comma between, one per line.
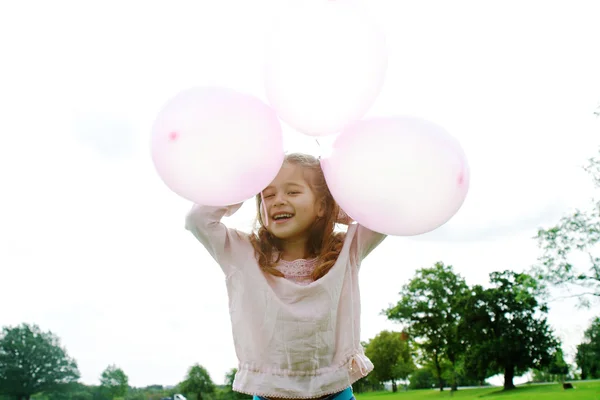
x=399, y=175
x=215, y=146
x=325, y=65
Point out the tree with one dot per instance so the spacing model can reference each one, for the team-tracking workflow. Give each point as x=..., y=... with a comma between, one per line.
x=75, y=391
x=430, y=308
x=32, y=361
x=198, y=381
x=476, y=362
x=588, y=352
x=422, y=379
x=557, y=371
x=114, y=382
x=229, y=393
x=574, y=234
x=230, y=377
x=558, y=367
x=505, y=327
x=390, y=354
x=369, y=382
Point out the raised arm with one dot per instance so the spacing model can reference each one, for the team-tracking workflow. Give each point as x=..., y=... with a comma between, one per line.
x=221, y=242
x=365, y=240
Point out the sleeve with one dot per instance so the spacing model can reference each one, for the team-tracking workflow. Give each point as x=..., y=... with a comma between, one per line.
x=221, y=242
x=365, y=241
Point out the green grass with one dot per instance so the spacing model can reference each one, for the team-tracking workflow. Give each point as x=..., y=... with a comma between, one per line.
x=583, y=391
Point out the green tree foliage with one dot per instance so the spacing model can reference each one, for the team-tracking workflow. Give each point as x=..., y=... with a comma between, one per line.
x=151, y=392
x=475, y=366
x=558, y=366
x=557, y=371
x=368, y=383
x=450, y=373
x=422, y=378
x=391, y=356
x=588, y=352
x=228, y=393
x=135, y=394
x=32, y=361
x=114, y=382
x=198, y=381
x=430, y=307
x=75, y=391
x=506, y=328
x=575, y=234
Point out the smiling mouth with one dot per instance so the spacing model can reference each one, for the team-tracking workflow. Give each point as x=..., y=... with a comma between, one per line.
x=279, y=218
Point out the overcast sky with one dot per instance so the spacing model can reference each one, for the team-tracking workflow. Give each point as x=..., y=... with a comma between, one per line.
x=92, y=244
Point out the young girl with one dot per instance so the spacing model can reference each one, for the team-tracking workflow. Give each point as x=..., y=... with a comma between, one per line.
x=293, y=287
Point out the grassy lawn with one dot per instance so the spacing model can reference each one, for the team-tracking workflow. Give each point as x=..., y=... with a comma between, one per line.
x=583, y=390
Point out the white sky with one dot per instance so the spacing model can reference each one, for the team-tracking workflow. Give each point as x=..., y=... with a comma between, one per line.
x=92, y=244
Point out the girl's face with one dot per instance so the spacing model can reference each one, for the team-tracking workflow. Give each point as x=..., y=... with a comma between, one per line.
x=291, y=205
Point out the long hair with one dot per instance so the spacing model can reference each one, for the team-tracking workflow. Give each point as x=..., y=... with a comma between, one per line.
x=323, y=242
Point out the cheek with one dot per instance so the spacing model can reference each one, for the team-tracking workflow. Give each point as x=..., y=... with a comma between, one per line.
x=309, y=210
x=303, y=206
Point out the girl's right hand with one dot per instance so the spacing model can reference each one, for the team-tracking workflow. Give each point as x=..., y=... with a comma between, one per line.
x=343, y=218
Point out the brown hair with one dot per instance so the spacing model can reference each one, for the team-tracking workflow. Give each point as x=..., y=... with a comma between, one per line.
x=323, y=242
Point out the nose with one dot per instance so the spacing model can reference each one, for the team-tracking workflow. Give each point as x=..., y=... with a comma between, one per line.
x=279, y=199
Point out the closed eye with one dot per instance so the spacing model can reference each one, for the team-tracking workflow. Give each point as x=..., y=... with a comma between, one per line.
x=293, y=192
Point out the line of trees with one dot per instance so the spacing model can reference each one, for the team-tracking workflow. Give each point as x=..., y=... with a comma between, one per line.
x=461, y=335
x=454, y=335
x=464, y=335
x=35, y=366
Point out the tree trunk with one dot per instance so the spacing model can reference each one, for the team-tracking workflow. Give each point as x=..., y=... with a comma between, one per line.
x=509, y=374
x=394, y=387
x=454, y=386
x=438, y=369
x=199, y=396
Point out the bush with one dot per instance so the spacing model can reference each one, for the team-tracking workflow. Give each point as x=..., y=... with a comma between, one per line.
x=422, y=379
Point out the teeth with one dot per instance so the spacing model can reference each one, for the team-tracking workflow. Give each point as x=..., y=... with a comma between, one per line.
x=279, y=216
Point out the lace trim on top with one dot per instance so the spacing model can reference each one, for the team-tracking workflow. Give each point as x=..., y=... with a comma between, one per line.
x=299, y=271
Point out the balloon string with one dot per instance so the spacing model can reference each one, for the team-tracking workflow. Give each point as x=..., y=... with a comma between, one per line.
x=262, y=197
x=319, y=144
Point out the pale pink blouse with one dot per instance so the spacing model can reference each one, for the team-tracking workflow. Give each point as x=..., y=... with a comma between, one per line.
x=294, y=338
